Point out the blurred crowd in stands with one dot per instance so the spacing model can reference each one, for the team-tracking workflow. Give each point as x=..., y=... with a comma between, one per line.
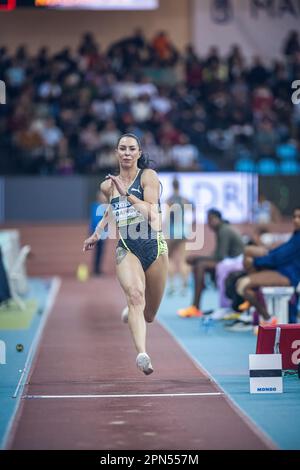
x=65, y=111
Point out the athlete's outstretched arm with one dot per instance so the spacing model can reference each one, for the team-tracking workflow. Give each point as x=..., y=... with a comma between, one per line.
x=90, y=242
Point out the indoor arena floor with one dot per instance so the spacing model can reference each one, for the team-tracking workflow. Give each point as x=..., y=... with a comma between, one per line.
x=81, y=388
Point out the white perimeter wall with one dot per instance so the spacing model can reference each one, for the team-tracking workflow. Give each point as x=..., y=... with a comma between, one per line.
x=57, y=29
x=256, y=28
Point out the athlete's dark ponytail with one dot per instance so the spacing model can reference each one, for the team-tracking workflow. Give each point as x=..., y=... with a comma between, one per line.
x=144, y=161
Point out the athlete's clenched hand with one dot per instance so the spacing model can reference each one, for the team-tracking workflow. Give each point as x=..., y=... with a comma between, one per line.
x=90, y=242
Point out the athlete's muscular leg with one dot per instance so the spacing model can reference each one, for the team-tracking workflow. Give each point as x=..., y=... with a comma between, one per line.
x=184, y=268
x=199, y=270
x=132, y=279
x=156, y=277
x=253, y=250
x=247, y=285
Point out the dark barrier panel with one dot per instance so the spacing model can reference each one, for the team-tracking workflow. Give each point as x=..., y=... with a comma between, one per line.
x=68, y=199
x=2, y=183
x=284, y=191
x=46, y=198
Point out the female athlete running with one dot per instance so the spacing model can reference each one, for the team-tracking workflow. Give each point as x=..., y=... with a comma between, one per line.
x=141, y=252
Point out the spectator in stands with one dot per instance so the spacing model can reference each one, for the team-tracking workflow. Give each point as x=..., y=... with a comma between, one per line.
x=109, y=135
x=141, y=109
x=89, y=138
x=217, y=103
x=128, y=51
x=262, y=103
x=215, y=69
x=221, y=139
x=280, y=82
x=295, y=67
x=51, y=134
x=163, y=48
x=236, y=63
x=292, y=44
x=161, y=102
x=87, y=44
x=229, y=244
x=185, y=156
x=240, y=92
x=193, y=68
x=167, y=161
x=266, y=212
x=146, y=87
x=96, y=214
x=279, y=267
x=151, y=148
x=168, y=133
x=265, y=139
x=106, y=158
x=223, y=269
x=50, y=88
x=258, y=73
x=16, y=74
x=179, y=217
x=30, y=143
x=103, y=107
x=88, y=145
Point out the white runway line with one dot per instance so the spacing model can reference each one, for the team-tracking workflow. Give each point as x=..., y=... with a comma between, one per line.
x=55, y=286
x=146, y=395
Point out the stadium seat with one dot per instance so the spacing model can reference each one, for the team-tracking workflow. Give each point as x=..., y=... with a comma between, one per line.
x=245, y=165
x=267, y=166
x=208, y=165
x=286, y=151
x=289, y=167
x=277, y=300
